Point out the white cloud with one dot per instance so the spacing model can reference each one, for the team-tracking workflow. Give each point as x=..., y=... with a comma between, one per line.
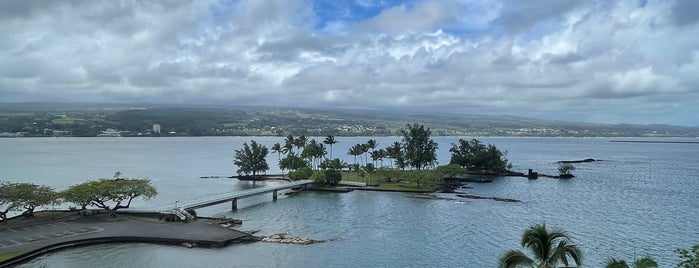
x=611, y=61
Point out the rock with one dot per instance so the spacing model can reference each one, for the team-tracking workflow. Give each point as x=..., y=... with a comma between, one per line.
x=282, y=239
x=189, y=245
x=508, y=200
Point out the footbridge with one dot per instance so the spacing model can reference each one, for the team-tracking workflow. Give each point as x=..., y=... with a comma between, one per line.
x=233, y=197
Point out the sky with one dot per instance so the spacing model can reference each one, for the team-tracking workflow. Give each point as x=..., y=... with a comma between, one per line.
x=625, y=61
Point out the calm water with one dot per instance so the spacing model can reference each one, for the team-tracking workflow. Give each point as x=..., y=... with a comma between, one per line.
x=642, y=199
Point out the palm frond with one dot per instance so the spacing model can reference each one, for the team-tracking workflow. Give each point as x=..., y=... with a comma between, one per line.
x=614, y=263
x=645, y=262
x=514, y=258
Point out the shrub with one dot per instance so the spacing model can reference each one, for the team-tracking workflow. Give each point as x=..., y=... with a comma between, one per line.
x=565, y=168
x=332, y=177
x=318, y=177
x=301, y=173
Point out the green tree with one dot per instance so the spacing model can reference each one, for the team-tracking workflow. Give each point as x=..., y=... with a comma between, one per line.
x=333, y=164
x=251, y=158
x=690, y=259
x=33, y=196
x=330, y=140
x=420, y=149
x=565, y=168
x=110, y=195
x=301, y=173
x=475, y=155
x=24, y=196
x=293, y=162
x=332, y=177
x=548, y=249
x=355, y=151
x=300, y=142
x=395, y=152
x=370, y=147
x=645, y=262
x=9, y=201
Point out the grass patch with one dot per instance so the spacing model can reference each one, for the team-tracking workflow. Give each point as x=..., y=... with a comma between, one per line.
x=383, y=185
x=11, y=255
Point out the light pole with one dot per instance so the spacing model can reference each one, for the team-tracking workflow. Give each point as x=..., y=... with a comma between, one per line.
x=176, y=201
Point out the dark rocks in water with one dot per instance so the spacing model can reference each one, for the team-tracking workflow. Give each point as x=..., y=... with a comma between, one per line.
x=491, y=198
x=470, y=179
x=578, y=161
x=282, y=239
x=565, y=176
x=431, y=196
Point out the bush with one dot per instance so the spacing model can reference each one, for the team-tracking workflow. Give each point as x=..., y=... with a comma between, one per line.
x=318, y=177
x=450, y=170
x=301, y=173
x=565, y=168
x=332, y=177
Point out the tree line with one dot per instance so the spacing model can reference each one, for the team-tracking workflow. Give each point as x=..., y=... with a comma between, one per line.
x=416, y=151
x=108, y=194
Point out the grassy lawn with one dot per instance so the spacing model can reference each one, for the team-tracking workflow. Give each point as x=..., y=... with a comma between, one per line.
x=11, y=255
x=383, y=185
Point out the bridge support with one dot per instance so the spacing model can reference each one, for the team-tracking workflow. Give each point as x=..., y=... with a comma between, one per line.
x=274, y=195
x=234, y=204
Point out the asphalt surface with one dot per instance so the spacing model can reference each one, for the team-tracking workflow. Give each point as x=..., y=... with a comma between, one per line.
x=46, y=234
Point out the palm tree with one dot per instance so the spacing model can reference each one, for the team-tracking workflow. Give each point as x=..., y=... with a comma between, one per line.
x=355, y=151
x=300, y=142
x=548, y=249
x=277, y=148
x=330, y=140
x=645, y=262
x=371, y=144
x=289, y=144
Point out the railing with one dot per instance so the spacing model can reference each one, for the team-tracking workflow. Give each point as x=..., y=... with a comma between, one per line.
x=230, y=196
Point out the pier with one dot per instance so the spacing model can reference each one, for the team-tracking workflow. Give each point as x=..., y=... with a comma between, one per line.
x=233, y=197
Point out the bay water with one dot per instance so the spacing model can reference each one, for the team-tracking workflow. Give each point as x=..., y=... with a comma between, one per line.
x=642, y=198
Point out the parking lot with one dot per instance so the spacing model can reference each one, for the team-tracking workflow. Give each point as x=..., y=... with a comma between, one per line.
x=12, y=237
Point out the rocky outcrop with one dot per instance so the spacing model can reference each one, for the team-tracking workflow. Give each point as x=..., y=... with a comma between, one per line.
x=578, y=161
x=282, y=239
x=508, y=200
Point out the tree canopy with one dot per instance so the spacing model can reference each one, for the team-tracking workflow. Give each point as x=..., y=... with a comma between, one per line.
x=420, y=149
x=645, y=262
x=109, y=194
x=251, y=158
x=548, y=248
x=475, y=155
x=24, y=196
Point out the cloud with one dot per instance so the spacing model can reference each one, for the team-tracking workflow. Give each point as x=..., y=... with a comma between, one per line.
x=600, y=61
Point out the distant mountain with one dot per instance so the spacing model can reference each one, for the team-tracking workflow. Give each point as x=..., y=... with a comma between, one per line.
x=90, y=119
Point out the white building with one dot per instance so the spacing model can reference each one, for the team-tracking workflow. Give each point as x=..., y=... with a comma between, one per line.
x=156, y=128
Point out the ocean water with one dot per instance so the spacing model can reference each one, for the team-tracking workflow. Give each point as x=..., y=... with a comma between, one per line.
x=642, y=198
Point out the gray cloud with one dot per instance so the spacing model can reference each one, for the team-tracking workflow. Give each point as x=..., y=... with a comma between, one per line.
x=602, y=61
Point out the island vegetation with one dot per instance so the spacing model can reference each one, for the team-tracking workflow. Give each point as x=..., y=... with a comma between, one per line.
x=408, y=165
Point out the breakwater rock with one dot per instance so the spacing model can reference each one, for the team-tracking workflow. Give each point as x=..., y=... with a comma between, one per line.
x=578, y=161
x=282, y=239
x=508, y=200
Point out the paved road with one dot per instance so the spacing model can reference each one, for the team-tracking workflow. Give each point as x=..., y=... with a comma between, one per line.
x=37, y=236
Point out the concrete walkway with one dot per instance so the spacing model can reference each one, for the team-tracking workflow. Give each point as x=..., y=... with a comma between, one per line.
x=91, y=230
